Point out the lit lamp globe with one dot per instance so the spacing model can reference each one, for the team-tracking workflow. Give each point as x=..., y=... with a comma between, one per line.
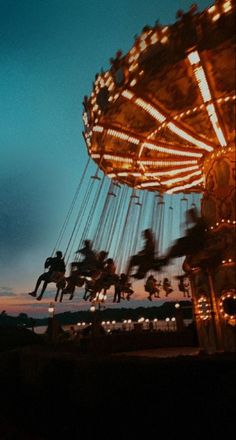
x=92, y=309
x=168, y=323
x=51, y=310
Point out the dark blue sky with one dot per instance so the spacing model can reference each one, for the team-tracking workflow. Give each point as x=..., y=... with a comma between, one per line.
x=50, y=51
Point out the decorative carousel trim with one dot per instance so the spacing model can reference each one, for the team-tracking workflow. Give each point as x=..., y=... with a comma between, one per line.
x=230, y=293
x=203, y=308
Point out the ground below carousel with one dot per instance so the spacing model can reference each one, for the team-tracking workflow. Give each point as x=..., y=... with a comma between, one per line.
x=51, y=389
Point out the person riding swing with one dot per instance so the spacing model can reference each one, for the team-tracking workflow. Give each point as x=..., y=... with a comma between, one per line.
x=56, y=271
x=145, y=258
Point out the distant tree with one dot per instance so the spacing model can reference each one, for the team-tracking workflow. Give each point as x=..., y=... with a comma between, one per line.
x=23, y=318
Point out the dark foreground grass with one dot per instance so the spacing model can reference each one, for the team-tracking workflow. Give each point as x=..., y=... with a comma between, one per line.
x=48, y=393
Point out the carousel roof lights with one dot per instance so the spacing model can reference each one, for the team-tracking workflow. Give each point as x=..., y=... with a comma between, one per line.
x=149, y=184
x=171, y=172
x=212, y=9
x=202, y=83
x=145, y=106
x=120, y=174
x=133, y=67
x=180, y=179
x=123, y=136
x=133, y=58
x=183, y=134
x=133, y=82
x=144, y=36
x=117, y=158
x=215, y=124
x=161, y=148
x=187, y=186
x=166, y=163
x=198, y=70
x=154, y=38
x=111, y=87
x=123, y=174
x=127, y=94
x=216, y=17
x=227, y=6
x=164, y=40
x=143, y=45
x=98, y=128
x=150, y=109
x=165, y=29
x=169, y=150
x=189, y=111
x=194, y=57
x=179, y=130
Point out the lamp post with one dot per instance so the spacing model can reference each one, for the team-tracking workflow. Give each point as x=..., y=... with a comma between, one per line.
x=155, y=323
x=141, y=321
x=51, y=331
x=51, y=310
x=173, y=320
x=129, y=324
x=95, y=309
x=168, y=324
x=179, y=318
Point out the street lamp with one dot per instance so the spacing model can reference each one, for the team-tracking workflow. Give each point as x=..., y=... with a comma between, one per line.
x=155, y=323
x=98, y=300
x=51, y=310
x=95, y=308
x=168, y=324
x=52, y=325
x=174, y=323
x=179, y=318
x=141, y=321
x=124, y=327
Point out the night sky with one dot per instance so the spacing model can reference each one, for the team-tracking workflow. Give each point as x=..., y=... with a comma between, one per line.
x=50, y=53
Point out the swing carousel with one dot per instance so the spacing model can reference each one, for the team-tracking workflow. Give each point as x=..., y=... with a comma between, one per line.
x=160, y=122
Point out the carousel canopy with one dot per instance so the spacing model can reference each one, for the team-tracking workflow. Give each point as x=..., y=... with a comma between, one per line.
x=167, y=105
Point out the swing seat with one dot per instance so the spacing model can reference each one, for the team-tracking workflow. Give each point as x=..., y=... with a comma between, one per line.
x=57, y=277
x=61, y=284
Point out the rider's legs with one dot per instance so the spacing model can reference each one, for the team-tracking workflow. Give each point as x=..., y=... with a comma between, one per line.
x=41, y=278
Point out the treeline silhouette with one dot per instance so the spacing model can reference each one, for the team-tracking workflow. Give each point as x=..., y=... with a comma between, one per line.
x=161, y=312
